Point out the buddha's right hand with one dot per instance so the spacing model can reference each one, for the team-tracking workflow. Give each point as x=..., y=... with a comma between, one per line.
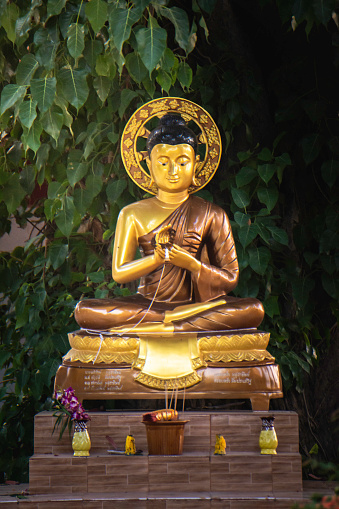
x=159, y=255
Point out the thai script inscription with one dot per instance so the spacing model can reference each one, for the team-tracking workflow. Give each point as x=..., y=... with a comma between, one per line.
x=238, y=377
x=102, y=381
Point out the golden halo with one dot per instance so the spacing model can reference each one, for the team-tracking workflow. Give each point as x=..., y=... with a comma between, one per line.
x=135, y=128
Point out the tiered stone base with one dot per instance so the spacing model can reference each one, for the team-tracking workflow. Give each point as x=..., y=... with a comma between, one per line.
x=242, y=479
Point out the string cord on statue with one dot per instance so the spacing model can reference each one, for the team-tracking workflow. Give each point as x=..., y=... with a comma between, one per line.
x=104, y=333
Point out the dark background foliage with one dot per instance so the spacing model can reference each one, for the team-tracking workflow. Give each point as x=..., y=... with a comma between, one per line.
x=72, y=73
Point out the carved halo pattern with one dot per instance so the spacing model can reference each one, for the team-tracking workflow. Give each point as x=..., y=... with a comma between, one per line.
x=135, y=128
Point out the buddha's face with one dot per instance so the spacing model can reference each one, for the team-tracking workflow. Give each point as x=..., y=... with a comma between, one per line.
x=172, y=166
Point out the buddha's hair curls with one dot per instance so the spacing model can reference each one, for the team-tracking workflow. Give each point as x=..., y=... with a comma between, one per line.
x=172, y=130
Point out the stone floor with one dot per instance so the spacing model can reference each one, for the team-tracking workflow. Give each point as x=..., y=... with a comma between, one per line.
x=18, y=495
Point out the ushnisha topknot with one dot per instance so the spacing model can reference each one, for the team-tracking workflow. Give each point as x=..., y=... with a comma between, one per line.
x=172, y=130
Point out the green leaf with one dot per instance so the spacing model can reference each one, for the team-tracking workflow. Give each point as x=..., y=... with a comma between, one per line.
x=94, y=184
x=120, y=25
x=271, y=306
x=62, y=103
x=76, y=40
x=242, y=219
x=96, y=277
x=301, y=288
x=179, y=19
x=76, y=169
x=323, y=10
x=126, y=97
x=315, y=448
x=52, y=122
x=8, y=20
x=330, y=285
x=43, y=92
x=265, y=155
x=64, y=218
x=247, y=234
x=233, y=110
x=27, y=179
x=203, y=24
x=31, y=137
x=13, y=193
x=4, y=357
x=311, y=146
x=56, y=255
x=114, y=189
x=259, y=258
x=245, y=176
x=27, y=113
x=46, y=54
x=82, y=200
x=164, y=80
x=283, y=160
x=56, y=189
x=310, y=257
x=229, y=87
x=269, y=196
x=184, y=75
x=151, y=44
x=279, y=235
x=96, y=12
x=54, y=7
x=266, y=172
x=243, y=156
x=42, y=155
x=74, y=86
x=330, y=172
x=11, y=94
x=167, y=60
x=135, y=67
x=102, y=86
x=263, y=233
x=207, y=5
x=105, y=65
x=240, y=197
x=26, y=69
x=92, y=50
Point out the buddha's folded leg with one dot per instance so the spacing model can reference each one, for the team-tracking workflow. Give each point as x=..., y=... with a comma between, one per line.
x=105, y=314
x=237, y=313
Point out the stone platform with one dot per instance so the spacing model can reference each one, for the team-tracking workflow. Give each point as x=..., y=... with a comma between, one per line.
x=197, y=479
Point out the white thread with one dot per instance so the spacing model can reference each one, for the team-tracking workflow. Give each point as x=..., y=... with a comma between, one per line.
x=101, y=334
x=101, y=340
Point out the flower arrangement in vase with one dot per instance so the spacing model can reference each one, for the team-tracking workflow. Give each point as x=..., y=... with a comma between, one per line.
x=68, y=409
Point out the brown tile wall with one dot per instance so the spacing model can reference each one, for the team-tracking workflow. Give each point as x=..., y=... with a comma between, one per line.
x=53, y=469
x=240, y=429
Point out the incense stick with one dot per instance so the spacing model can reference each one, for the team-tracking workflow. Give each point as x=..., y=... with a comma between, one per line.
x=176, y=395
x=166, y=398
x=183, y=402
x=172, y=397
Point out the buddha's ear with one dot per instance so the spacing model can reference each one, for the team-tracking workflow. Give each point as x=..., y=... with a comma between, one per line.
x=197, y=161
x=149, y=166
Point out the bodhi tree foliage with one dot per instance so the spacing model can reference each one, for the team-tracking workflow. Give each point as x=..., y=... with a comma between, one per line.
x=72, y=73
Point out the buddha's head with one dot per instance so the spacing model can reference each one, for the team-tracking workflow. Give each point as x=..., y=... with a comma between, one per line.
x=172, y=159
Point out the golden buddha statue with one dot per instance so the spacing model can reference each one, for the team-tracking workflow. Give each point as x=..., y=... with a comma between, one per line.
x=182, y=327
x=191, y=293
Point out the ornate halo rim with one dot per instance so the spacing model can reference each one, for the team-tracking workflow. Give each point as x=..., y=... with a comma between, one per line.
x=189, y=110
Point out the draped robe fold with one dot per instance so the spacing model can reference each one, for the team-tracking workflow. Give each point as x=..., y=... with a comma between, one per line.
x=204, y=230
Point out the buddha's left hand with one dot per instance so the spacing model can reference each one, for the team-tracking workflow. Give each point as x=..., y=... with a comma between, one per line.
x=182, y=258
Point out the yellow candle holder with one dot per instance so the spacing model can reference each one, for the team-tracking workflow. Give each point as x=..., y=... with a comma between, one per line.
x=268, y=441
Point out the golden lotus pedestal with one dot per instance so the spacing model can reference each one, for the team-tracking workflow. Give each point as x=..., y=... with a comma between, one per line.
x=226, y=365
